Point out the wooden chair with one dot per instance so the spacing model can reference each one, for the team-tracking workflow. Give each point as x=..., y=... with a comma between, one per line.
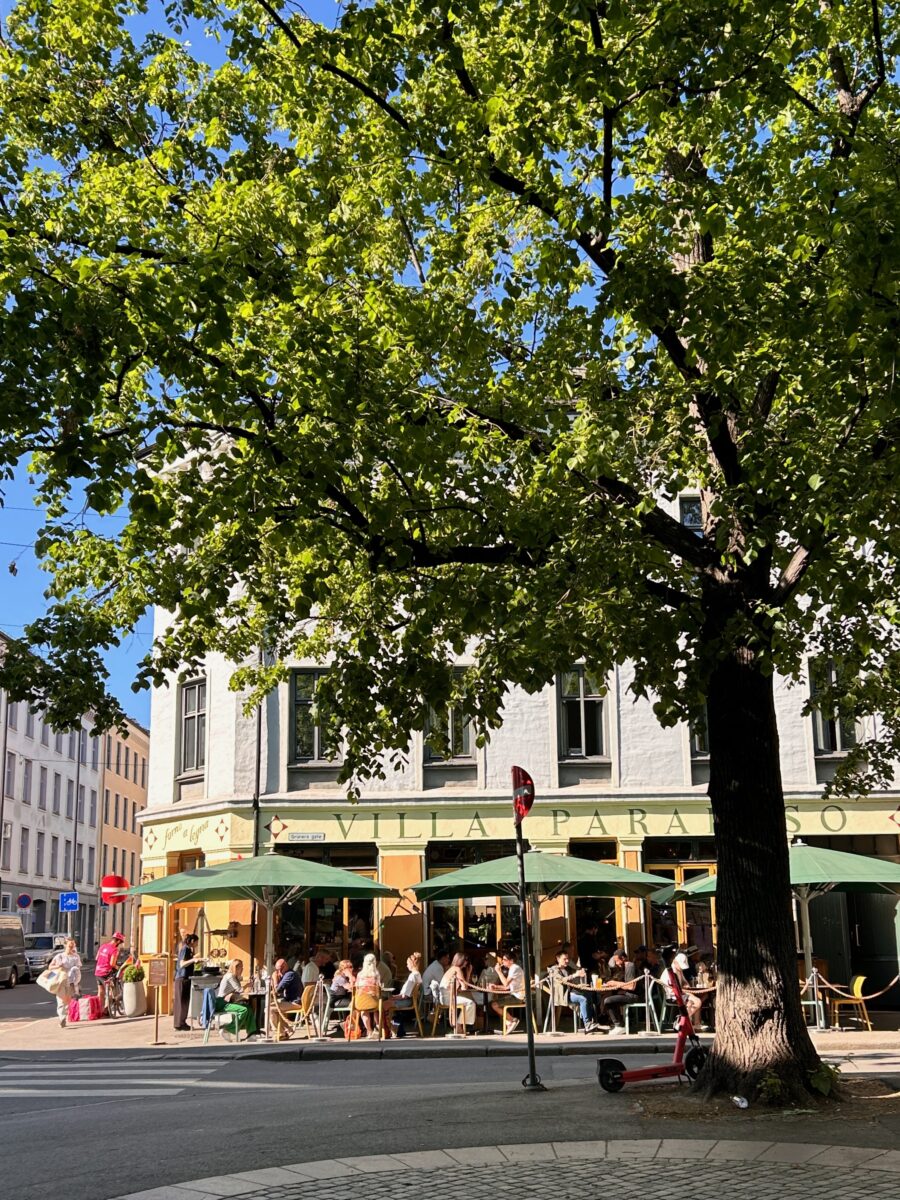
x=416, y=1008
x=364, y=1002
x=857, y=983
x=556, y=989
x=507, y=1009
x=284, y=1016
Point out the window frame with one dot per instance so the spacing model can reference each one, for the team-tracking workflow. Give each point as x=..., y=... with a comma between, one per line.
x=453, y=716
x=319, y=756
x=822, y=720
x=584, y=697
x=196, y=720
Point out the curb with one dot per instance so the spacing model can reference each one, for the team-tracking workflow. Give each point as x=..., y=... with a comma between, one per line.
x=785, y=1154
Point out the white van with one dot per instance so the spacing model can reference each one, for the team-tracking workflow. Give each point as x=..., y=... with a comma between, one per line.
x=13, y=963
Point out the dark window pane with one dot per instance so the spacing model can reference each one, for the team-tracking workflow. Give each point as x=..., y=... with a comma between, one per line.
x=593, y=727
x=570, y=683
x=304, y=732
x=572, y=728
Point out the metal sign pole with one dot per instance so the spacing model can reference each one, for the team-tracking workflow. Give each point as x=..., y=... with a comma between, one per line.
x=523, y=798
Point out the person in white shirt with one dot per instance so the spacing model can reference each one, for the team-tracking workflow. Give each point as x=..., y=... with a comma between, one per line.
x=434, y=972
x=69, y=960
x=676, y=965
x=512, y=987
x=404, y=1002
x=313, y=968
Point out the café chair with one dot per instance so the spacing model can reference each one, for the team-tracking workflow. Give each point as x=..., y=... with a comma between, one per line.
x=417, y=1009
x=857, y=983
x=556, y=989
x=288, y=1018
x=361, y=1002
x=507, y=1009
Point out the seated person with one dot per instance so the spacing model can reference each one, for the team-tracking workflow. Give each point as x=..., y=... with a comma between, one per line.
x=343, y=980
x=511, y=989
x=403, y=1004
x=673, y=972
x=583, y=1000
x=459, y=971
x=434, y=972
x=613, y=999
x=230, y=999
x=287, y=983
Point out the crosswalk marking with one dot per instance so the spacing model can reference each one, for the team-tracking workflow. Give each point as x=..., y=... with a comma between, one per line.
x=104, y=1079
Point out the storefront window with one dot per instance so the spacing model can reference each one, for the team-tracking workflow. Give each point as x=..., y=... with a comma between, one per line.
x=685, y=922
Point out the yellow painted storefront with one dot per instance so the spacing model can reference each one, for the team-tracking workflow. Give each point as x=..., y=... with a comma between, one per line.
x=401, y=843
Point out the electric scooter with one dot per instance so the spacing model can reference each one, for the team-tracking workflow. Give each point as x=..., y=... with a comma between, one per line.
x=612, y=1075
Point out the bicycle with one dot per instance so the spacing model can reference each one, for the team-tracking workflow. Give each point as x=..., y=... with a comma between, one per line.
x=115, y=1000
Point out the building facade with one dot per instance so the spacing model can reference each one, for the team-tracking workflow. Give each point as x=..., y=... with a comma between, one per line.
x=125, y=768
x=50, y=822
x=612, y=785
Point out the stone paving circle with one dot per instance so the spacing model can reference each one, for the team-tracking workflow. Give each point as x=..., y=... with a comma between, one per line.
x=640, y=1169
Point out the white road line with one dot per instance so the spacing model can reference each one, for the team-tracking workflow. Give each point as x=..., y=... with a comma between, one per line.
x=87, y=1095
x=55, y=1069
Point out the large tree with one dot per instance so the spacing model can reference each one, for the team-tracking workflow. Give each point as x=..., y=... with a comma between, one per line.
x=405, y=336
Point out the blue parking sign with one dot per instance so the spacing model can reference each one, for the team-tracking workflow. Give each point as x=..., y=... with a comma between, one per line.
x=68, y=902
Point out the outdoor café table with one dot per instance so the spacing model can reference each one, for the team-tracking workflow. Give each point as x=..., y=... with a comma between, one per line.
x=256, y=1002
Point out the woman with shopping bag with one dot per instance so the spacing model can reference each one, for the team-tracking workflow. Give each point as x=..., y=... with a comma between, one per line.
x=69, y=961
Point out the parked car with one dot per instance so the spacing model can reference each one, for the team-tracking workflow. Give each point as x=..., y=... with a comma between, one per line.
x=40, y=949
x=13, y=963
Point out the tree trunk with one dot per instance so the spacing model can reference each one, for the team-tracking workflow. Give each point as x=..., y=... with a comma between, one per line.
x=760, y=1030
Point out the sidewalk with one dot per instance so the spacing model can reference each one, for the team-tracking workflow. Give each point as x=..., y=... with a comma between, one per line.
x=137, y=1036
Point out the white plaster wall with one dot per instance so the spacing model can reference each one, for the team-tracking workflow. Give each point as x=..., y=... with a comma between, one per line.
x=523, y=740
x=649, y=756
x=794, y=732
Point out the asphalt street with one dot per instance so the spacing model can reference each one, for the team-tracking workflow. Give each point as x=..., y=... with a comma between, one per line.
x=160, y=1119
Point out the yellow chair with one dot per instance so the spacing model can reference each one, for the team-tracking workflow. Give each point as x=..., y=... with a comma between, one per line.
x=364, y=1002
x=455, y=1018
x=416, y=1007
x=286, y=1018
x=857, y=983
x=506, y=1009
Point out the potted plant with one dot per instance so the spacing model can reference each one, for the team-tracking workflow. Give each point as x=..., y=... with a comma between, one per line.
x=134, y=997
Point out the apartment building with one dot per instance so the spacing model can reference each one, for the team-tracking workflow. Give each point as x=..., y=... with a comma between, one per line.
x=124, y=799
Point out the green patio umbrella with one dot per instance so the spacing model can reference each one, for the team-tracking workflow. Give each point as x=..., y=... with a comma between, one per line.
x=270, y=879
x=814, y=872
x=546, y=875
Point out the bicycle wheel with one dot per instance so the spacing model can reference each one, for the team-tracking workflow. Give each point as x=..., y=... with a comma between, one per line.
x=115, y=1006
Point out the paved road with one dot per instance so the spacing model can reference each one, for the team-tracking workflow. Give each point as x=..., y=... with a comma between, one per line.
x=24, y=1002
x=231, y=1116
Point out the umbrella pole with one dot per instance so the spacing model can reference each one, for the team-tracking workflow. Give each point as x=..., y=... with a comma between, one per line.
x=531, y=1082
x=811, y=972
x=270, y=965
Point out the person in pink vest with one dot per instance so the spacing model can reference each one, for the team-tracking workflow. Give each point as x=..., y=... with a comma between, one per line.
x=106, y=964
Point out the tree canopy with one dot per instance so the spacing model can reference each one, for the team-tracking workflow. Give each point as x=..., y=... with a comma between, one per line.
x=407, y=334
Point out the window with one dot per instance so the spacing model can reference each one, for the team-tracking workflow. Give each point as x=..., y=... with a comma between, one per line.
x=54, y=857
x=9, y=780
x=79, y=862
x=834, y=732
x=143, y=772
x=70, y=799
x=106, y=806
x=134, y=767
x=313, y=740
x=127, y=760
x=118, y=758
x=134, y=813
x=42, y=789
x=690, y=514
x=116, y=812
x=115, y=859
x=82, y=745
x=95, y=753
x=29, y=721
x=580, y=715
x=57, y=791
x=125, y=812
x=23, y=851
x=71, y=747
x=27, y=770
x=90, y=877
x=6, y=845
x=104, y=860
x=449, y=738
x=193, y=726
x=45, y=733
x=81, y=804
x=6, y=902
x=12, y=714
x=700, y=737
x=92, y=812
x=108, y=759
x=131, y=870
x=67, y=860
x=39, y=854
x=58, y=743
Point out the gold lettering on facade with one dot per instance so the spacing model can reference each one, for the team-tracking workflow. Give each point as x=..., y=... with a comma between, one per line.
x=791, y=820
x=597, y=823
x=826, y=819
x=676, y=823
x=340, y=821
x=476, y=820
x=561, y=816
x=637, y=817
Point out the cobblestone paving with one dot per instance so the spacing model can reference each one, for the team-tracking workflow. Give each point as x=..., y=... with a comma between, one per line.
x=647, y=1169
